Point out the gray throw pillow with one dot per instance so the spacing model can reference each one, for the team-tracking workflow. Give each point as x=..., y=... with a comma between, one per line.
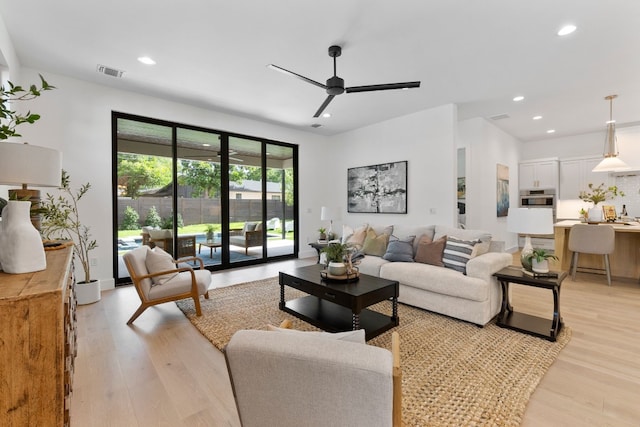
x=400, y=250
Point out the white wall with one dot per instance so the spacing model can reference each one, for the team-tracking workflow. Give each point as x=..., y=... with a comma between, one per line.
x=486, y=146
x=426, y=140
x=76, y=119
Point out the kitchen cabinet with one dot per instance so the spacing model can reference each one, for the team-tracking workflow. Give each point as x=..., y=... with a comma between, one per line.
x=576, y=174
x=538, y=174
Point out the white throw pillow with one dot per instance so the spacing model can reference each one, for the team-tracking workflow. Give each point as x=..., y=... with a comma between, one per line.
x=158, y=260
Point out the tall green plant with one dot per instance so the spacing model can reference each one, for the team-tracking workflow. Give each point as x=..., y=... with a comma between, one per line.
x=10, y=118
x=61, y=220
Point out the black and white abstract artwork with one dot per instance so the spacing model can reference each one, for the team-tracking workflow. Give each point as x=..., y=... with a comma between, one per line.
x=378, y=188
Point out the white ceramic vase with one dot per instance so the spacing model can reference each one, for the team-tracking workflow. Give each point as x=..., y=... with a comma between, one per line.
x=337, y=268
x=595, y=214
x=540, y=267
x=21, y=249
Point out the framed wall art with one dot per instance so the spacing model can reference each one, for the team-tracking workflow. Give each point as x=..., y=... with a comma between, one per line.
x=502, y=193
x=377, y=188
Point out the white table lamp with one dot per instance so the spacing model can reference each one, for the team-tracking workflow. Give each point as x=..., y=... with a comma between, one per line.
x=21, y=249
x=529, y=221
x=327, y=214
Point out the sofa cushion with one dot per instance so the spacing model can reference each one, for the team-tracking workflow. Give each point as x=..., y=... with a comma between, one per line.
x=371, y=265
x=431, y=252
x=375, y=244
x=400, y=250
x=457, y=253
x=443, y=230
x=382, y=229
x=444, y=281
x=403, y=231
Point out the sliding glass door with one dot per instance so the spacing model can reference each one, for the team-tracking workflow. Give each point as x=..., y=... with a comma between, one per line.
x=225, y=198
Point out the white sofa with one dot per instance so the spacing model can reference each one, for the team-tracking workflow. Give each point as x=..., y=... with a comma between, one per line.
x=475, y=297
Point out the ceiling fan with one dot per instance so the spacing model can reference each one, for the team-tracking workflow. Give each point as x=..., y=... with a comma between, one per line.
x=231, y=154
x=335, y=85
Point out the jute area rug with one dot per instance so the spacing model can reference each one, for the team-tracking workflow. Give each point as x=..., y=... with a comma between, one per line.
x=454, y=373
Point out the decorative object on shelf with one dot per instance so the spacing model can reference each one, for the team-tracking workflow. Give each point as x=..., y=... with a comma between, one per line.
x=529, y=221
x=540, y=260
x=21, y=249
x=596, y=195
x=609, y=212
x=611, y=161
x=61, y=220
x=378, y=188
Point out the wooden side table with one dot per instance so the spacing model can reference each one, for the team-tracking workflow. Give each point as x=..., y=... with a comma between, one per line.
x=533, y=325
x=318, y=247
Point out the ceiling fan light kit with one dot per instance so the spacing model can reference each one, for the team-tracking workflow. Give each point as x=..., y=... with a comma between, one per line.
x=611, y=161
x=335, y=85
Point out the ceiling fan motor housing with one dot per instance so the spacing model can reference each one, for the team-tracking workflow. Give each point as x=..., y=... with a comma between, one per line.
x=335, y=85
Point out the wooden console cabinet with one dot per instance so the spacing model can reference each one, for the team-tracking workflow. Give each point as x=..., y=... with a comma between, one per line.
x=38, y=343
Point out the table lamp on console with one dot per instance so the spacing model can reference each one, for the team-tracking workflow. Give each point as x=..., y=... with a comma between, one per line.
x=21, y=249
x=529, y=221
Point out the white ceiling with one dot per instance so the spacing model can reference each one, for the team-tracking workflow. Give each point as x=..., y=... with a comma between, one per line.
x=477, y=54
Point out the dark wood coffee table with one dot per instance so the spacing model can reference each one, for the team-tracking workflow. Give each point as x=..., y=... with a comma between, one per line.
x=336, y=306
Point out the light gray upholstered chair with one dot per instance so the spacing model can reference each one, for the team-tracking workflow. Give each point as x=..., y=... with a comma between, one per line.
x=186, y=283
x=302, y=379
x=592, y=239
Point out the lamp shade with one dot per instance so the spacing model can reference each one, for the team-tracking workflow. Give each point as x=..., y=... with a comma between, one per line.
x=29, y=164
x=611, y=164
x=530, y=220
x=326, y=214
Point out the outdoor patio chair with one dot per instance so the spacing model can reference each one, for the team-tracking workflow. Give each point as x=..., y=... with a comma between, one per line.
x=158, y=278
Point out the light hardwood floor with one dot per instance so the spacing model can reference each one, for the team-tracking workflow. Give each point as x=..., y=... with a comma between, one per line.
x=162, y=372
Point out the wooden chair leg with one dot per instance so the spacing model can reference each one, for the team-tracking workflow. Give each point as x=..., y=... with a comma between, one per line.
x=196, y=302
x=138, y=312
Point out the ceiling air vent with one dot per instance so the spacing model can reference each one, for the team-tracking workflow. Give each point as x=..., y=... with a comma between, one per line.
x=316, y=125
x=499, y=116
x=110, y=71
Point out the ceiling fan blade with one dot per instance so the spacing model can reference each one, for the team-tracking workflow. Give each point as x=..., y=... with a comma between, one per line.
x=324, y=105
x=291, y=73
x=388, y=86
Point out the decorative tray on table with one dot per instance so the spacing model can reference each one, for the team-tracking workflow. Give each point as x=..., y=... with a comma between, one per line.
x=345, y=278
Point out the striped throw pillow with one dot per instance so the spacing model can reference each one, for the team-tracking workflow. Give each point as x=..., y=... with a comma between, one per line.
x=457, y=253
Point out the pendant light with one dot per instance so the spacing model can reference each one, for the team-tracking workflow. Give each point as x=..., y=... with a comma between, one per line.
x=611, y=161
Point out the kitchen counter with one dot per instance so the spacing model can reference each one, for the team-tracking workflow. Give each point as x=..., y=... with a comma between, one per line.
x=625, y=260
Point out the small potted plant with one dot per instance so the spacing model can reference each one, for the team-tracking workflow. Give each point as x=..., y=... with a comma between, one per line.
x=335, y=253
x=61, y=220
x=210, y=229
x=323, y=233
x=540, y=260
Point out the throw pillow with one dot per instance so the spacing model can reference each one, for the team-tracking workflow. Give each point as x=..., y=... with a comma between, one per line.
x=375, y=244
x=356, y=239
x=249, y=226
x=481, y=248
x=400, y=250
x=431, y=252
x=352, y=336
x=156, y=261
x=457, y=253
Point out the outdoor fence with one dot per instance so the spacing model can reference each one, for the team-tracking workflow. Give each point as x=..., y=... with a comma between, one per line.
x=204, y=211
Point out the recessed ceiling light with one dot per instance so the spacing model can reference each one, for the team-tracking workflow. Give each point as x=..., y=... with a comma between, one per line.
x=146, y=60
x=608, y=122
x=206, y=145
x=518, y=98
x=537, y=117
x=566, y=30
x=551, y=131
x=327, y=115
